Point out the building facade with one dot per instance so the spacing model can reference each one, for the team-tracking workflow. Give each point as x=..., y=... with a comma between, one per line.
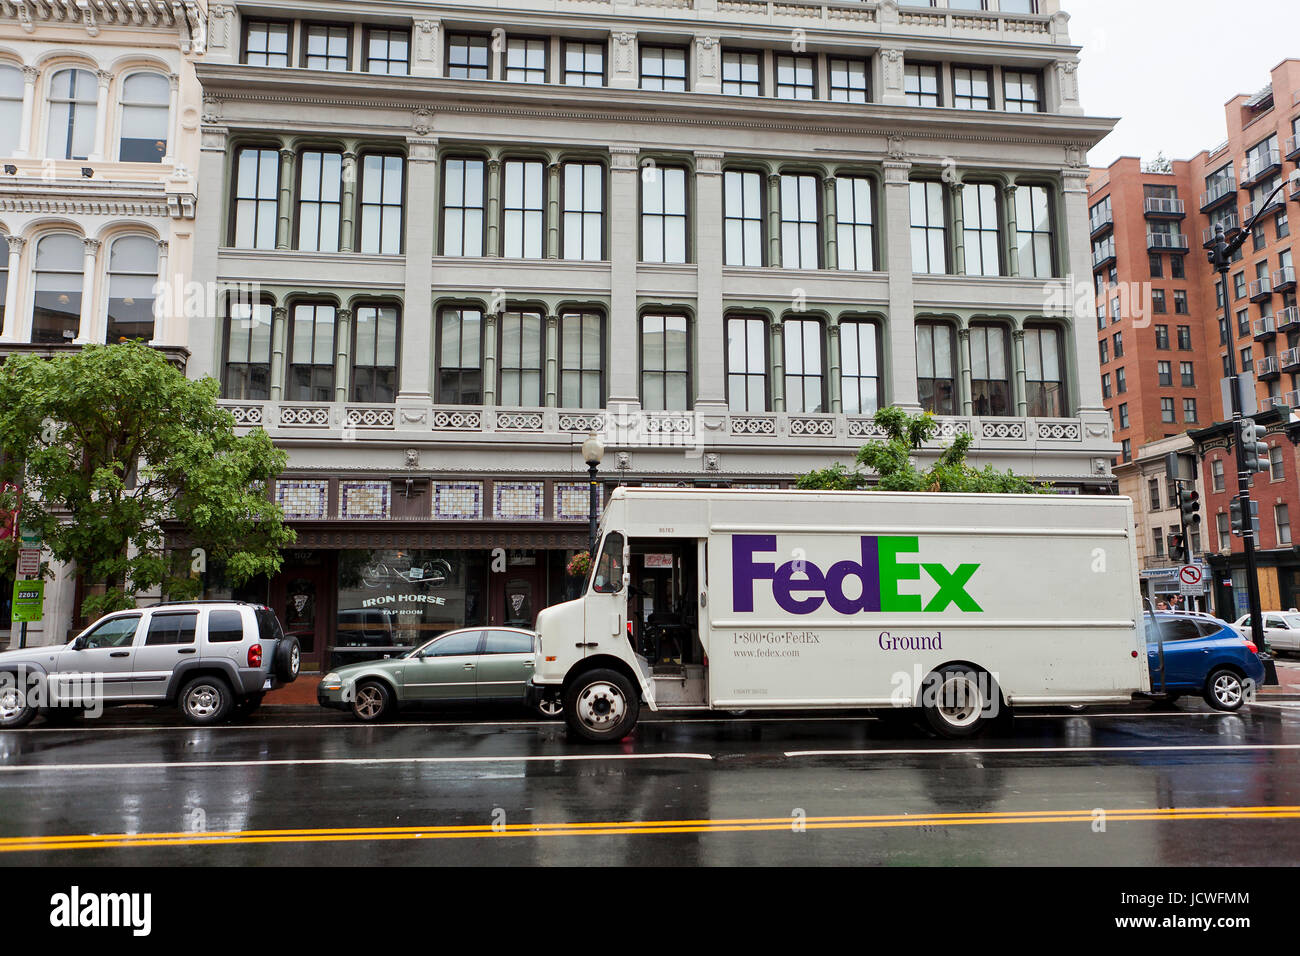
x=99, y=150
x=1161, y=337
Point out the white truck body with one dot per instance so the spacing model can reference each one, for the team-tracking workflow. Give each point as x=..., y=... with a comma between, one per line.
x=849, y=599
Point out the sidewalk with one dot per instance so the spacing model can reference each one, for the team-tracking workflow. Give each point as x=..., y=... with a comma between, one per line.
x=301, y=693
x=1288, y=680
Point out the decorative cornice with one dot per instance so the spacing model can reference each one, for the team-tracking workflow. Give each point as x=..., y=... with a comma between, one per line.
x=185, y=16
x=83, y=207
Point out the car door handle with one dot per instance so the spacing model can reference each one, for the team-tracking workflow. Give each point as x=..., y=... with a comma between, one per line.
x=528, y=663
x=469, y=667
x=120, y=654
x=186, y=650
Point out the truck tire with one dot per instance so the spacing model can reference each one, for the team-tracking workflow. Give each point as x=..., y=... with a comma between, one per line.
x=959, y=701
x=601, y=705
x=288, y=660
x=205, y=701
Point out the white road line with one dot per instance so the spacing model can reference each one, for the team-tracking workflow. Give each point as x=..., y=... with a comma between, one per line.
x=1039, y=750
x=321, y=761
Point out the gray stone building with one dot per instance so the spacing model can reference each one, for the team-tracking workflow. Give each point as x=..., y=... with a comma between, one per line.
x=454, y=238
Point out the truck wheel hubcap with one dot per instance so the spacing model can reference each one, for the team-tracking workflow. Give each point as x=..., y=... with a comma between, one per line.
x=959, y=700
x=601, y=705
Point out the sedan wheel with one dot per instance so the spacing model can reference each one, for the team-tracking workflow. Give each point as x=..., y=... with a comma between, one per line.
x=372, y=701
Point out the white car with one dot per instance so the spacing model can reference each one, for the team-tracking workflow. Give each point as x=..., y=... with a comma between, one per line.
x=1281, y=629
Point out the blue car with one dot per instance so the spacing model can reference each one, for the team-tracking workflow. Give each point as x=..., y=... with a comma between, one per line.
x=1202, y=655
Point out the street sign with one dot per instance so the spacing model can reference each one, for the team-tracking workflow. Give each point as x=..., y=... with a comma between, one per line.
x=29, y=562
x=29, y=601
x=1191, y=580
x=29, y=538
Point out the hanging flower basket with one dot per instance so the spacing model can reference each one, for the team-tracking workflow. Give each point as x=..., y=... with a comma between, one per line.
x=579, y=565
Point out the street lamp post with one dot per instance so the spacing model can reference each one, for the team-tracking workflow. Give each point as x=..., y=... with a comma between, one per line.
x=1221, y=259
x=593, y=450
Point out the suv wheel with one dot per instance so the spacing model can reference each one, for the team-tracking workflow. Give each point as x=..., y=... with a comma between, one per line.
x=288, y=659
x=1224, y=690
x=206, y=700
x=16, y=708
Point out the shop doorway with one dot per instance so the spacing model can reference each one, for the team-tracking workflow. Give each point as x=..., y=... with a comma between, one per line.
x=517, y=589
x=302, y=596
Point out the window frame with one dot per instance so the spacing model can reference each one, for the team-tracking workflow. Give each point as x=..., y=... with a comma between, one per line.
x=822, y=375
x=269, y=303
x=954, y=397
x=353, y=354
x=689, y=370
x=743, y=219
x=581, y=370
x=742, y=53
x=383, y=207
x=848, y=61
x=235, y=198
x=920, y=94
x=663, y=48
x=748, y=319
x=583, y=212
x=1062, y=368
x=123, y=104
x=799, y=225
x=988, y=98
x=663, y=216
x=305, y=28
x=367, y=33
x=246, y=28
x=290, y=386
x=565, y=72
x=1008, y=363
x=298, y=201
x=524, y=312
x=463, y=210
x=449, y=42
x=524, y=210
x=877, y=345
x=546, y=59
x=440, y=395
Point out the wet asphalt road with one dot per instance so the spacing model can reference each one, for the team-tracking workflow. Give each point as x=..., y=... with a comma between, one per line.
x=1111, y=786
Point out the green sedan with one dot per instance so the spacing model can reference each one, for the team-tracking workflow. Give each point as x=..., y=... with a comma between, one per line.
x=473, y=664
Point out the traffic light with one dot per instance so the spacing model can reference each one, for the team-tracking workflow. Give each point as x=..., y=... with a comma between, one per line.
x=1254, y=453
x=1189, y=504
x=1235, y=515
x=1177, y=548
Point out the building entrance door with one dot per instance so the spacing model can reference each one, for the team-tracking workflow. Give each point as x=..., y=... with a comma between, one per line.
x=302, y=596
x=519, y=591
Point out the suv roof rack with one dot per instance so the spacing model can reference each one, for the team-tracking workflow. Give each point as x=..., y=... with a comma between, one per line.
x=204, y=601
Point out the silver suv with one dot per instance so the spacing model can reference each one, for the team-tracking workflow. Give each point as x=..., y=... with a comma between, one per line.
x=212, y=659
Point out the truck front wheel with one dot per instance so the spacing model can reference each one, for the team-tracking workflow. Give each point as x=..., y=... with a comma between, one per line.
x=959, y=701
x=601, y=705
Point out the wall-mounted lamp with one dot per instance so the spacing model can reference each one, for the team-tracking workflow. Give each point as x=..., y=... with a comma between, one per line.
x=11, y=169
x=87, y=172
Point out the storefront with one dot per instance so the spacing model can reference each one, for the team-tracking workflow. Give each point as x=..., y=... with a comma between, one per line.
x=1279, y=582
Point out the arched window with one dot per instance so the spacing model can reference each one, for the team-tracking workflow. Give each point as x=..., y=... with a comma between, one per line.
x=990, y=350
x=56, y=305
x=145, y=99
x=132, y=274
x=311, y=352
x=248, y=351
x=859, y=367
x=11, y=108
x=4, y=278
x=73, y=114
x=374, y=353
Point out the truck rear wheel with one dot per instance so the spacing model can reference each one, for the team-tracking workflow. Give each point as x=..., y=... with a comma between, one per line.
x=959, y=701
x=601, y=705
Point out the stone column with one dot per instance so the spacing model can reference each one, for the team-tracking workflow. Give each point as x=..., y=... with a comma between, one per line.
x=624, y=70
x=832, y=223
x=348, y=195
x=955, y=202
x=1080, y=340
x=553, y=211
x=777, y=340
x=162, y=325
x=342, y=354
x=418, y=318
x=708, y=68
x=1018, y=379
x=173, y=99
x=552, y=361
x=284, y=226
x=491, y=321
x=710, y=332
x=30, y=74
x=833, y=365
x=101, y=116
x=1012, y=247
x=88, y=330
x=967, y=400
x=900, y=338
x=9, y=332
x=774, y=220
x=623, y=223
x=892, y=90
x=279, y=332
x=492, y=235
x=426, y=52
x=203, y=331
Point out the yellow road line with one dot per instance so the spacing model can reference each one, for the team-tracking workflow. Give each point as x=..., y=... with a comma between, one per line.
x=632, y=828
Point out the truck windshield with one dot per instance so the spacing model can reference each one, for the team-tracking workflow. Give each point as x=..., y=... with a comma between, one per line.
x=608, y=578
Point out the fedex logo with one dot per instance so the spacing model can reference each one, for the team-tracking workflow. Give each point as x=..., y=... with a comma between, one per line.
x=878, y=571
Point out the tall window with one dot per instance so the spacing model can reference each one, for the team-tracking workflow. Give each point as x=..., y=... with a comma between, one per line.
x=743, y=218
x=929, y=229
x=980, y=223
x=665, y=363
x=388, y=52
x=1282, y=518
x=257, y=187
x=859, y=367
x=145, y=115
x=921, y=84
x=311, y=353
x=663, y=214
x=1167, y=411
x=374, y=353
x=741, y=73
x=584, y=64
x=524, y=218
x=582, y=375
x=1034, y=231
x=990, y=370
x=327, y=48
x=584, y=211
x=462, y=207
x=266, y=43
x=320, y=201
x=936, y=378
x=848, y=80
x=248, y=351
x=804, y=381
x=1044, y=376
x=971, y=89
x=747, y=364
x=1216, y=474
x=1187, y=374
x=381, y=204
x=56, y=305
x=132, y=275
x=1162, y=337
x=1189, y=410
x=11, y=108
x=525, y=60
x=460, y=356
x=1276, y=469
x=467, y=57
x=855, y=239
x=663, y=68
x=800, y=242
x=4, y=277
x=73, y=114
x=794, y=78
x=1021, y=91
x=520, y=361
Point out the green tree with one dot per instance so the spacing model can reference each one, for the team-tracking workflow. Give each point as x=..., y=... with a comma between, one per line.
x=889, y=460
x=115, y=452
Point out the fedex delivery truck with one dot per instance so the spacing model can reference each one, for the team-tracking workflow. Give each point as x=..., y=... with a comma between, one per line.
x=960, y=605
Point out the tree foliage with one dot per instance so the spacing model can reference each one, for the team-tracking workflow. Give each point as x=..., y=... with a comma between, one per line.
x=114, y=451
x=889, y=462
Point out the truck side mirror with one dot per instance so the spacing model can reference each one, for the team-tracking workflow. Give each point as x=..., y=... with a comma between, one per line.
x=627, y=578
x=79, y=644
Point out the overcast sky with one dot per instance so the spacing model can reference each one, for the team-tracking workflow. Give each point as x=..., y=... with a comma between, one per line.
x=1166, y=67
